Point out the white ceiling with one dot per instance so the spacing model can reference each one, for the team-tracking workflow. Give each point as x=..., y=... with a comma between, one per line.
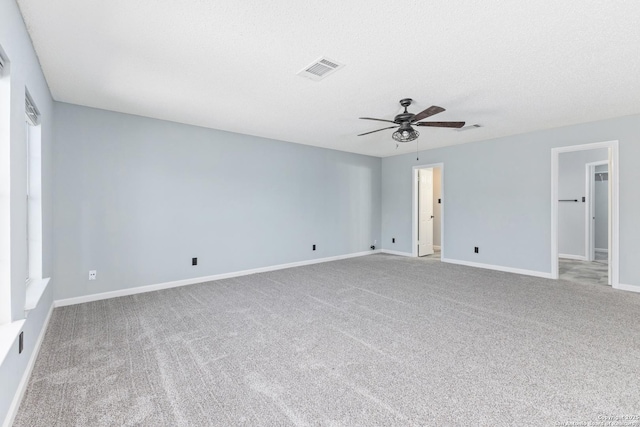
x=511, y=66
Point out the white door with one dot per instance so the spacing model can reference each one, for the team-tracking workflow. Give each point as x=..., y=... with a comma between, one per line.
x=600, y=203
x=592, y=215
x=425, y=212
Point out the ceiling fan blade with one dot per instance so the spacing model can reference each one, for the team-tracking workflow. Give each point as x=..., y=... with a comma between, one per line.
x=440, y=124
x=427, y=113
x=380, y=120
x=367, y=133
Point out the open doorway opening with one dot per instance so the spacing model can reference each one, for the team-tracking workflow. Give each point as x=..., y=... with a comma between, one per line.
x=597, y=219
x=428, y=211
x=575, y=217
x=585, y=213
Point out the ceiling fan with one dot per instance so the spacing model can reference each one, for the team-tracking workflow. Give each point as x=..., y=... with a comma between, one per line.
x=404, y=122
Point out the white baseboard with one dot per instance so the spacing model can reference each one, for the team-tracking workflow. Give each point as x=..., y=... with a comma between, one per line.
x=195, y=280
x=22, y=387
x=499, y=268
x=623, y=287
x=570, y=256
x=436, y=247
x=390, y=252
x=604, y=251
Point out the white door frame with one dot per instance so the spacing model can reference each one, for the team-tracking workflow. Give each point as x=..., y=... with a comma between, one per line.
x=414, y=207
x=589, y=231
x=614, y=220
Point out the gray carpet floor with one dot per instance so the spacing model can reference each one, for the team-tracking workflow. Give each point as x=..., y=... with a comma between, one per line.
x=589, y=272
x=375, y=340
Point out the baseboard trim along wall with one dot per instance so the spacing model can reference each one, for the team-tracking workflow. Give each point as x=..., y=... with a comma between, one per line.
x=22, y=387
x=390, y=252
x=630, y=288
x=534, y=273
x=606, y=251
x=569, y=256
x=195, y=280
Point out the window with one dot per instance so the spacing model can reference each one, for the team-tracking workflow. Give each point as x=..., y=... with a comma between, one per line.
x=33, y=191
x=28, y=125
x=5, y=225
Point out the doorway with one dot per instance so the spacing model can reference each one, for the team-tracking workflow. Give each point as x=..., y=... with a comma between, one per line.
x=577, y=253
x=428, y=210
x=597, y=218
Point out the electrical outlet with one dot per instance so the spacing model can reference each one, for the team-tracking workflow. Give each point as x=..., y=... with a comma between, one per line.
x=314, y=247
x=92, y=274
x=393, y=240
x=194, y=261
x=476, y=249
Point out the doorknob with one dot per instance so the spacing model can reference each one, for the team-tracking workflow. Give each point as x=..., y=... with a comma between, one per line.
x=431, y=216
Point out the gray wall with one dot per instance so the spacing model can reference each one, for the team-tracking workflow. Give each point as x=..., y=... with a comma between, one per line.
x=498, y=196
x=137, y=198
x=571, y=185
x=25, y=72
x=601, y=205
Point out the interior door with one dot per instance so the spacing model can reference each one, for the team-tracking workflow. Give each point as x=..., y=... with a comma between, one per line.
x=592, y=215
x=425, y=212
x=600, y=212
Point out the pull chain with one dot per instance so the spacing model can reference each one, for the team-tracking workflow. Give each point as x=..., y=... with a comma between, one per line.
x=417, y=157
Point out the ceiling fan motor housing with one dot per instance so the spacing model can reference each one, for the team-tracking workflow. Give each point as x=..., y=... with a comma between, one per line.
x=403, y=117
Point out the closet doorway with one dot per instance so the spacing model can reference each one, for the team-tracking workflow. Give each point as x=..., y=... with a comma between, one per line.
x=597, y=219
x=428, y=210
x=576, y=244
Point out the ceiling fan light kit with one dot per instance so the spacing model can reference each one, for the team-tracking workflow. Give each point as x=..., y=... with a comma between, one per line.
x=405, y=120
x=406, y=133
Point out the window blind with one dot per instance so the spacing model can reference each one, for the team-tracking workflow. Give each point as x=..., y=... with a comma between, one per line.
x=33, y=115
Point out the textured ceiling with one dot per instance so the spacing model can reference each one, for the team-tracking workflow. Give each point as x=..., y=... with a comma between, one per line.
x=511, y=66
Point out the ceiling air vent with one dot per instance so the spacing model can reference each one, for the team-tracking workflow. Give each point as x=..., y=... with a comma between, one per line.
x=320, y=68
x=469, y=127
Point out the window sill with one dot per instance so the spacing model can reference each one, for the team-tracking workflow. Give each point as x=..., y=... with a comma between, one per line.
x=35, y=289
x=10, y=331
